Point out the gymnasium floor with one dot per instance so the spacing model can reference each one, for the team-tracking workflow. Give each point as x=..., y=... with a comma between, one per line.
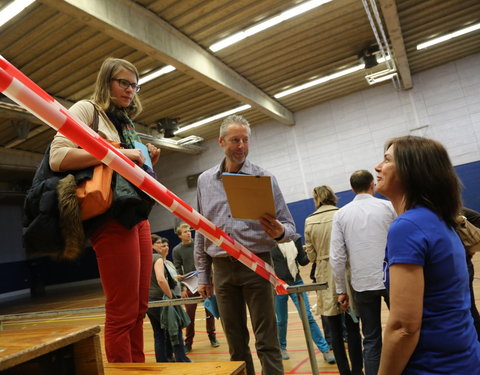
x=91, y=296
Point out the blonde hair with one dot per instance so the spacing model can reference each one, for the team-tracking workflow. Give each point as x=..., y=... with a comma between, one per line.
x=101, y=95
x=181, y=228
x=324, y=195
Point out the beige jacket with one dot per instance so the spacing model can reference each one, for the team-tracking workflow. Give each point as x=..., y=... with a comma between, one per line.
x=317, y=241
x=318, y=227
x=83, y=110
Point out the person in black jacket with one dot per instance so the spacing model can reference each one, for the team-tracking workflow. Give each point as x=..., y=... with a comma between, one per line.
x=286, y=257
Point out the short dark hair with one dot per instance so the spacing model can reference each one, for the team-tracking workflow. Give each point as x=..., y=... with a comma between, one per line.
x=156, y=237
x=427, y=175
x=361, y=180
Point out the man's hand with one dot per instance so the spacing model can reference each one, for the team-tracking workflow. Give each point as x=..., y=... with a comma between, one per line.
x=184, y=293
x=343, y=301
x=272, y=227
x=179, y=277
x=205, y=290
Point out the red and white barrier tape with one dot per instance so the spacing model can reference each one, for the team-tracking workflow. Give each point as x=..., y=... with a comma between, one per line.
x=19, y=88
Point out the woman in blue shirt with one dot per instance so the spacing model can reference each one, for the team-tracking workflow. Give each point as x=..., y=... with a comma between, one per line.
x=429, y=329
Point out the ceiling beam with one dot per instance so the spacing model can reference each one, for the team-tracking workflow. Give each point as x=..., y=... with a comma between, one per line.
x=143, y=30
x=14, y=159
x=390, y=15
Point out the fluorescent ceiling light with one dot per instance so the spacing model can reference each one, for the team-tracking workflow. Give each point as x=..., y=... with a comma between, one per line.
x=279, y=95
x=320, y=81
x=213, y=118
x=293, y=12
x=13, y=9
x=449, y=36
x=381, y=76
x=156, y=74
x=191, y=139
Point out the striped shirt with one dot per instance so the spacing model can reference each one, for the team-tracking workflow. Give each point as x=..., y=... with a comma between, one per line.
x=212, y=203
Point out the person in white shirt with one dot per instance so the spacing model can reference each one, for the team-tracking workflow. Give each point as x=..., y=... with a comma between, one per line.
x=359, y=236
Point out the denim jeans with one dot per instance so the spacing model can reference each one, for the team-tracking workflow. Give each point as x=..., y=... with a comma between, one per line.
x=369, y=305
x=281, y=310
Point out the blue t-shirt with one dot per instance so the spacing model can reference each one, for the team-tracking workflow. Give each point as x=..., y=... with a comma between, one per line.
x=448, y=341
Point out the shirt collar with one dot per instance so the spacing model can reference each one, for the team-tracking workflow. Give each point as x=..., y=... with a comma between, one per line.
x=361, y=196
x=245, y=169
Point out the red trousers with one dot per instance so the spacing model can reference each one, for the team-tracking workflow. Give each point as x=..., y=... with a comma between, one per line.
x=124, y=259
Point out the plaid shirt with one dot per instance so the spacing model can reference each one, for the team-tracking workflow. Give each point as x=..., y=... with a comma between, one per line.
x=212, y=203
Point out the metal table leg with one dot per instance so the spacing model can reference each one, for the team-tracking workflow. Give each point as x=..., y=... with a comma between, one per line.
x=299, y=289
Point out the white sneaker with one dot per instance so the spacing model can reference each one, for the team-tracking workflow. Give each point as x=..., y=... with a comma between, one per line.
x=285, y=354
x=328, y=357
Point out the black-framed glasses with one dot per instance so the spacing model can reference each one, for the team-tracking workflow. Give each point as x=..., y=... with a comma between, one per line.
x=124, y=84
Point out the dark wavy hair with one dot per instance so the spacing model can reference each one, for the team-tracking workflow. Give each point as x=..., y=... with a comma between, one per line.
x=427, y=175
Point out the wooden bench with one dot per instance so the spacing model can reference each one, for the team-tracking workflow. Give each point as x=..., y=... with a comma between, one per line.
x=199, y=368
x=59, y=350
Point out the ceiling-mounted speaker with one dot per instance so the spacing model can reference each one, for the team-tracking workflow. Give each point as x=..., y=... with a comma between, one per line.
x=169, y=126
x=369, y=56
x=192, y=180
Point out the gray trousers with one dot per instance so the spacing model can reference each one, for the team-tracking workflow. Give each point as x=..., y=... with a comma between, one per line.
x=237, y=287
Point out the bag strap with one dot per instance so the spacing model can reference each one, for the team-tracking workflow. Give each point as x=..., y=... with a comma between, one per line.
x=95, y=120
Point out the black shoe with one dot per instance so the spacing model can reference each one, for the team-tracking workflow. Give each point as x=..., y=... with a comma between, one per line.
x=188, y=348
x=214, y=342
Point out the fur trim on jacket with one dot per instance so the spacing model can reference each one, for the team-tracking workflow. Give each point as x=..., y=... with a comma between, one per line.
x=70, y=223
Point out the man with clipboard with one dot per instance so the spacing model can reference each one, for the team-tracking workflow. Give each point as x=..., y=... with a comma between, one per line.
x=236, y=286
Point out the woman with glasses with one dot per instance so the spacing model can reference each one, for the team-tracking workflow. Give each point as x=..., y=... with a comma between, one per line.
x=123, y=251
x=164, y=284
x=430, y=329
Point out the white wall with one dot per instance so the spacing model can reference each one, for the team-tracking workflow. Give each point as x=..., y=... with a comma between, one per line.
x=332, y=140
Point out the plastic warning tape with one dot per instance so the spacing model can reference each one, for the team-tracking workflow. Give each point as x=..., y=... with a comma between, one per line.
x=18, y=87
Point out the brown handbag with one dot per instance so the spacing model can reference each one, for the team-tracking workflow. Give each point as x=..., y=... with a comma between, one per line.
x=469, y=234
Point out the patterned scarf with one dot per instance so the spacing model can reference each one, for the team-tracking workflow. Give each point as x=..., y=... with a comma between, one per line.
x=128, y=134
x=125, y=128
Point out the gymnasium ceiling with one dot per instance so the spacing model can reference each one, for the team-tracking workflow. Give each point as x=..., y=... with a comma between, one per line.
x=60, y=45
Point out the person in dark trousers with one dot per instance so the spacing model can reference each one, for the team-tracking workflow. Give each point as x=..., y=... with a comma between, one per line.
x=163, y=283
x=183, y=260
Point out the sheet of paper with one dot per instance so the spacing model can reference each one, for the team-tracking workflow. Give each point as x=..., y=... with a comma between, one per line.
x=191, y=282
x=144, y=149
x=249, y=197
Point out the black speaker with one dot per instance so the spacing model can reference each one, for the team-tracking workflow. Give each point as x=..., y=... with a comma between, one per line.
x=192, y=180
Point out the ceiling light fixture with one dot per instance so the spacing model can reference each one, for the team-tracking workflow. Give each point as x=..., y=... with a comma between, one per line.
x=213, y=118
x=320, y=80
x=381, y=76
x=157, y=73
x=280, y=95
x=13, y=9
x=263, y=25
x=446, y=37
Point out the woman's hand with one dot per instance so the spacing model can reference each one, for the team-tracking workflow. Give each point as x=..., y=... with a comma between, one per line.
x=154, y=153
x=134, y=155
